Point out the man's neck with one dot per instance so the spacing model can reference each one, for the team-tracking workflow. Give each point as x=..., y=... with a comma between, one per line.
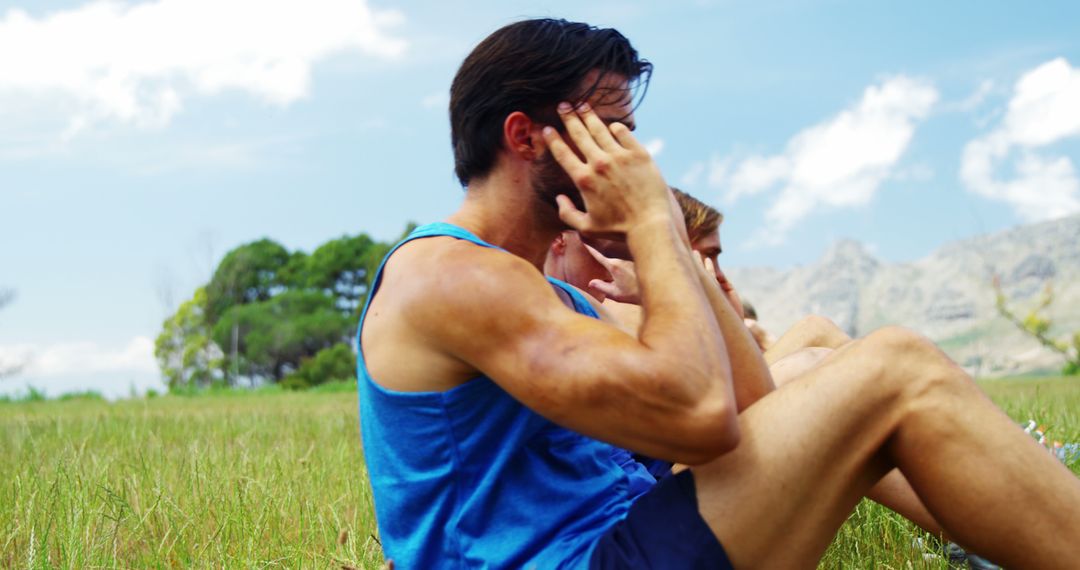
x=503, y=211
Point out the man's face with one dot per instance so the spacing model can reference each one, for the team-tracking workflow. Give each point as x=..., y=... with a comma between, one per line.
x=613, y=102
x=709, y=248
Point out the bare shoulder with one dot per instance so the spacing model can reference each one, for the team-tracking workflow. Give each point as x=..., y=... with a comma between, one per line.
x=437, y=278
x=436, y=293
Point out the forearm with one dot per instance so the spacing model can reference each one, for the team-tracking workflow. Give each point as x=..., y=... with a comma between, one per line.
x=750, y=374
x=677, y=319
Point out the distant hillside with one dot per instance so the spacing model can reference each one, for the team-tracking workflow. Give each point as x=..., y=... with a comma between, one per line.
x=946, y=295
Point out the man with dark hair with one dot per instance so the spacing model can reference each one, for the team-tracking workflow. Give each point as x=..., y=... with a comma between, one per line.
x=496, y=420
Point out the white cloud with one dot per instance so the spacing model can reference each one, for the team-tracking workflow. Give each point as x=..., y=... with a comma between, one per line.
x=655, y=147
x=839, y=162
x=137, y=63
x=1044, y=110
x=82, y=357
x=974, y=101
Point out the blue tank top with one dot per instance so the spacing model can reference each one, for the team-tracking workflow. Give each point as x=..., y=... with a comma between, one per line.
x=471, y=478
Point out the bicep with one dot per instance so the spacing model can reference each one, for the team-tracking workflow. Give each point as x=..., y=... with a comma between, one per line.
x=577, y=371
x=598, y=380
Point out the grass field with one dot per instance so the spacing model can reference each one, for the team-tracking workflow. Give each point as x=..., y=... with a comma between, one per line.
x=272, y=479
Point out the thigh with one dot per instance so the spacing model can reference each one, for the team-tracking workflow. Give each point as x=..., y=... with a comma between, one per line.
x=811, y=331
x=808, y=454
x=797, y=364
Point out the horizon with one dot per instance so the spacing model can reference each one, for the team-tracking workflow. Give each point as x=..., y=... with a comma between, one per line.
x=129, y=167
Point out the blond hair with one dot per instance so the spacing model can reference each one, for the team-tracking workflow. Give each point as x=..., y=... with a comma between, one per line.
x=701, y=219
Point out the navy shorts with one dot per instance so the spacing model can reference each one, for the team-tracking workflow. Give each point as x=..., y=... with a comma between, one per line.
x=662, y=530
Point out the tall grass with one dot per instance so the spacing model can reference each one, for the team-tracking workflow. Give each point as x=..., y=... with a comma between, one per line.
x=276, y=479
x=224, y=481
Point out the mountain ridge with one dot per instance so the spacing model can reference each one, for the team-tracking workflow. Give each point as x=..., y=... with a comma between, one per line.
x=946, y=295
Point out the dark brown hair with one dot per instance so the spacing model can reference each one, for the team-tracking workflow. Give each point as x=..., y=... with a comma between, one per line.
x=530, y=66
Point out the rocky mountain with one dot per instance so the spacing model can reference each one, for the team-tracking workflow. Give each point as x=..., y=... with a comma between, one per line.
x=947, y=295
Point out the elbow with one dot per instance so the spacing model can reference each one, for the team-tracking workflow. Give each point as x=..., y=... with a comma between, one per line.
x=713, y=430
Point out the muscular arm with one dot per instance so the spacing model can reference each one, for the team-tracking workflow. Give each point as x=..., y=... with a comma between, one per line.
x=657, y=394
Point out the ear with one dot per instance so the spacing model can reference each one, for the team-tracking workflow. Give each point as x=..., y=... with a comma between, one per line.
x=519, y=136
x=558, y=245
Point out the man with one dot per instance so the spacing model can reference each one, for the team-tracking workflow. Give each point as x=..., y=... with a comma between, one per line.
x=613, y=282
x=494, y=417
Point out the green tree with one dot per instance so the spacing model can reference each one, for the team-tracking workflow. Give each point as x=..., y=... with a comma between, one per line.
x=1037, y=326
x=335, y=363
x=250, y=273
x=343, y=268
x=274, y=336
x=184, y=349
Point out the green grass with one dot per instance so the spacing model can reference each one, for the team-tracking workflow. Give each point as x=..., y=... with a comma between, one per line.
x=875, y=537
x=224, y=480
x=275, y=479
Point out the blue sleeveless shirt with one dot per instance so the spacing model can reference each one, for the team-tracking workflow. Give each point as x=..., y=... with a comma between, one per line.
x=471, y=478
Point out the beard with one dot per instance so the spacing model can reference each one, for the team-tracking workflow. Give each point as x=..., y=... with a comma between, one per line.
x=549, y=180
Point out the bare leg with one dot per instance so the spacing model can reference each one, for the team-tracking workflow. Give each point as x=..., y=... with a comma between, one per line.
x=811, y=450
x=811, y=331
x=893, y=490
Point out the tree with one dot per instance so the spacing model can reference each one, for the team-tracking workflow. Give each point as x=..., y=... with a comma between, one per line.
x=1038, y=327
x=184, y=349
x=274, y=336
x=335, y=363
x=268, y=313
x=248, y=274
x=345, y=268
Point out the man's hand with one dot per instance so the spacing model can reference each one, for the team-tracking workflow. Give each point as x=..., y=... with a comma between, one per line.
x=620, y=185
x=623, y=286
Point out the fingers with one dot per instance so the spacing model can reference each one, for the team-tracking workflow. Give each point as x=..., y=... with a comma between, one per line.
x=599, y=257
x=625, y=138
x=578, y=132
x=608, y=288
x=600, y=132
x=571, y=215
x=708, y=264
x=562, y=153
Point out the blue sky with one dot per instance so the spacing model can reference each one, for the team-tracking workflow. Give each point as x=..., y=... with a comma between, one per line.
x=139, y=141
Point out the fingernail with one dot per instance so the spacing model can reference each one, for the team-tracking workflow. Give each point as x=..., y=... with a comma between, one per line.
x=584, y=108
x=548, y=131
x=564, y=107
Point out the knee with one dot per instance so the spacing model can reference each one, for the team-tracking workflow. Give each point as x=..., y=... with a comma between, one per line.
x=912, y=363
x=796, y=364
x=902, y=350
x=897, y=342
x=822, y=332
